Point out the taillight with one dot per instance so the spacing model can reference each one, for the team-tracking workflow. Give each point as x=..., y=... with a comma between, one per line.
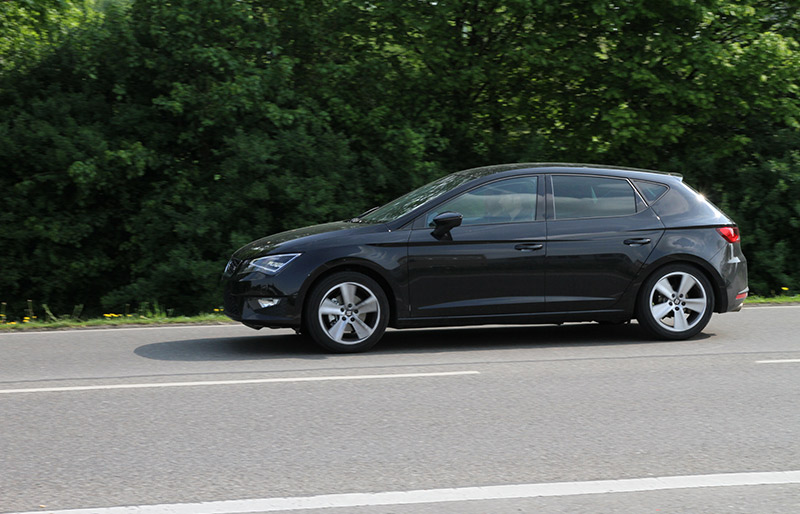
x=730, y=234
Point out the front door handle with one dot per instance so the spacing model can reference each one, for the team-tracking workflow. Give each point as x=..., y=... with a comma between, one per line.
x=637, y=241
x=529, y=247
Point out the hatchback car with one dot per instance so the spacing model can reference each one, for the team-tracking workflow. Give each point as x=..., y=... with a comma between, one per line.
x=518, y=243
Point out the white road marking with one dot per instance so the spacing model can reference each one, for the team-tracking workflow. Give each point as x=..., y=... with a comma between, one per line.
x=782, y=361
x=233, y=382
x=498, y=492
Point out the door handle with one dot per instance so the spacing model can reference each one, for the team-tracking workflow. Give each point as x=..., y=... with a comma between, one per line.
x=529, y=247
x=637, y=241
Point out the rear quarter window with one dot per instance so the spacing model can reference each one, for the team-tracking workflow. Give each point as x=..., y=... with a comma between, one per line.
x=650, y=190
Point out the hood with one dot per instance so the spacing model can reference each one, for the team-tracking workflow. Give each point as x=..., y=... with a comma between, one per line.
x=267, y=244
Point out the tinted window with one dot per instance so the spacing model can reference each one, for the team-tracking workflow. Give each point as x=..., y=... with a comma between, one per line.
x=414, y=199
x=506, y=201
x=650, y=190
x=592, y=197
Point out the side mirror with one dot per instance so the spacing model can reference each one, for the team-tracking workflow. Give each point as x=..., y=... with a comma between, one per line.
x=445, y=222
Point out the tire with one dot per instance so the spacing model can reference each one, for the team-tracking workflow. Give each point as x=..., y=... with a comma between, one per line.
x=675, y=302
x=346, y=313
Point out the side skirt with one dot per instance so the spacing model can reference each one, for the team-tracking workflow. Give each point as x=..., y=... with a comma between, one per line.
x=515, y=319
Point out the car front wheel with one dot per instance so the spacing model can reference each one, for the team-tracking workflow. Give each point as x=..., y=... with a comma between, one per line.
x=346, y=312
x=676, y=302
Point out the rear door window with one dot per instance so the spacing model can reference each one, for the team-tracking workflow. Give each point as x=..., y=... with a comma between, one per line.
x=579, y=196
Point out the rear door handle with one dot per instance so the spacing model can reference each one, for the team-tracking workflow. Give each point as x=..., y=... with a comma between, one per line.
x=637, y=241
x=529, y=247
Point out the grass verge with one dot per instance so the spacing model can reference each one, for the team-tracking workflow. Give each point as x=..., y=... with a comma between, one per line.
x=761, y=300
x=202, y=319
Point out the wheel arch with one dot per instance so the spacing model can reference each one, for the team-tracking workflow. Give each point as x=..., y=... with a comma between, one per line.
x=357, y=266
x=712, y=275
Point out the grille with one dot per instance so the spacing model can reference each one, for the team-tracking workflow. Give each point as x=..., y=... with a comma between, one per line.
x=230, y=269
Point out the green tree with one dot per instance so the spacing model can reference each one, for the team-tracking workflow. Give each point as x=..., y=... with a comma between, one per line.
x=145, y=141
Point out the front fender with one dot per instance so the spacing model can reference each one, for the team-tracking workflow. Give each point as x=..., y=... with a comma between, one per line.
x=385, y=263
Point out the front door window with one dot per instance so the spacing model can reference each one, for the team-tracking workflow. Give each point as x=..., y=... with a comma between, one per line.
x=505, y=201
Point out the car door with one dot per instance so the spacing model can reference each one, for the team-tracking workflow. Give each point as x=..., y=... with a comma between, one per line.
x=492, y=264
x=599, y=234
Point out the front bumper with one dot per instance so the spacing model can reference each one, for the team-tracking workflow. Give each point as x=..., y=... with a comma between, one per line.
x=258, y=300
x=248, y=310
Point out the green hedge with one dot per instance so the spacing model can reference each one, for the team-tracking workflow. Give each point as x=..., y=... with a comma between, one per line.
x=142, y=142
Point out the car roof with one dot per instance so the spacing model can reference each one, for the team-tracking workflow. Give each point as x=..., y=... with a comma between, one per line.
x=577, y=168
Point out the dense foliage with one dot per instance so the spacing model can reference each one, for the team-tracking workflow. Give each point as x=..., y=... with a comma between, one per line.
x=142, y=142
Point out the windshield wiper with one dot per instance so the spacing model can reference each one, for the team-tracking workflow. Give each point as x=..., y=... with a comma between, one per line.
x=358, y=219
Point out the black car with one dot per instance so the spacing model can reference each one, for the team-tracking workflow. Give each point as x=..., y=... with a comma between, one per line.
x=517, y=243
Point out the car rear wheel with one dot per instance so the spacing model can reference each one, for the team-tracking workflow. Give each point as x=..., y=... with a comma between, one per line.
x=676, y=302
x=347, y=312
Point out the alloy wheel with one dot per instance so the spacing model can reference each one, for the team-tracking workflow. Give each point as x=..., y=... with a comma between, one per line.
x=678, y=302
x=349, y=313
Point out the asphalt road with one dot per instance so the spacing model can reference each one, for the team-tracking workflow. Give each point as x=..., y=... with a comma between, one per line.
x=180, y=415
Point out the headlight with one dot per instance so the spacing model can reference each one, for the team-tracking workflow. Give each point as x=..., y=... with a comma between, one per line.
x=271, y=264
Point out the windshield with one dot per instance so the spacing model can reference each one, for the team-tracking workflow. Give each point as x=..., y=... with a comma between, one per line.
x=410, y=201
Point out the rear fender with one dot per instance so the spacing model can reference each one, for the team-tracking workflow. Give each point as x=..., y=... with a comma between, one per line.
x=699, y=246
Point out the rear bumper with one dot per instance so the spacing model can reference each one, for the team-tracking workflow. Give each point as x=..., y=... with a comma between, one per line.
x=733, y=269
x=740, y=298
